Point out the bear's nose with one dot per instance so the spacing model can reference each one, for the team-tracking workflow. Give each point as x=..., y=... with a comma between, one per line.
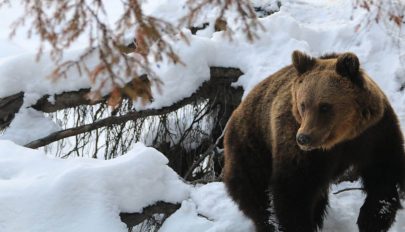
x=303, y=139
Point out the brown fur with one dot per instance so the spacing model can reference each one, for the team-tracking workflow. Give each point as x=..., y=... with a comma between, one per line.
x=350, y=123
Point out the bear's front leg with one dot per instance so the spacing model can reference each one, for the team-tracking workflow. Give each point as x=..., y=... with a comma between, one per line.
x=299, y=202
x=247, y=176
x=293, y=210
x=378, y=211
x=382, y=202
x=383, y=179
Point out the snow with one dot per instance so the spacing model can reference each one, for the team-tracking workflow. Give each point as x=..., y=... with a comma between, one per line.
x=29, y=120
x=209, y=209
x=25, y=73
x=41, y=193
x=20, y=43
x=186, y=219
x=214, y=203
x=8, y=48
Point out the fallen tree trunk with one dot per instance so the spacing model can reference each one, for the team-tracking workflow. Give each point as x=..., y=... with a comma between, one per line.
x=9, y=106
x=133, y=219
x=221, y=78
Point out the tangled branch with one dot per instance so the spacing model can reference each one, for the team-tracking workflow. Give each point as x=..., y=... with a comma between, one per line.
x=124, y=49
x=220, y=78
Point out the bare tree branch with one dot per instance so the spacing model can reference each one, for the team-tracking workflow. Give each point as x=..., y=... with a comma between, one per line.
x=220, y=78
x=64, y=22
x=209, y=151
x=348, y=189
x=10, y=105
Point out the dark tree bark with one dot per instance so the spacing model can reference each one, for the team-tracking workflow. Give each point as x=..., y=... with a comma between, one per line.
x=133, y=219
x=8, y=107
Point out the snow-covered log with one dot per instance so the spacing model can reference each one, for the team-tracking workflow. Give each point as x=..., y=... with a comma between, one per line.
x=221, y=78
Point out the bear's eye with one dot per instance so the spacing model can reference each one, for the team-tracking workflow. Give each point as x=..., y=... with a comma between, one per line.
x=302, y=107
x=325, y=108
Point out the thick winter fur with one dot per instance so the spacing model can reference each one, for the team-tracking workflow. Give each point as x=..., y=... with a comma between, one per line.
x=348, y=122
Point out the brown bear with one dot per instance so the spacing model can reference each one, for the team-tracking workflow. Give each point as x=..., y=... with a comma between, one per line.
x=301, y=128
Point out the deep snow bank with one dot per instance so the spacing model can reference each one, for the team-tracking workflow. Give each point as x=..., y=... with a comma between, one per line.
x=39, y=193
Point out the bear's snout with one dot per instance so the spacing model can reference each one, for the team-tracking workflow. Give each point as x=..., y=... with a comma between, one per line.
x=303, y=139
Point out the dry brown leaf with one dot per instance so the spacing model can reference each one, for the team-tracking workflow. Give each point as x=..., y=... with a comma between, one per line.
x=115, y=98
x=397, y=19
x=96, y=71
x=94, y=96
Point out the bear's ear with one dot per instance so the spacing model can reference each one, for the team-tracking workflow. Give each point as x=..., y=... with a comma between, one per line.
x=348, y=65
x=302, y=62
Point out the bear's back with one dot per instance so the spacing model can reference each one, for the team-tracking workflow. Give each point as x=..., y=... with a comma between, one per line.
x=269, y=98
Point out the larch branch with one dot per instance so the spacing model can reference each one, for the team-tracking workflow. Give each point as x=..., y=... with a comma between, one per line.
x=220, y=78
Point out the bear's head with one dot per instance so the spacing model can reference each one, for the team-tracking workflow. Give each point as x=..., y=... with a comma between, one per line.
x=333, y=100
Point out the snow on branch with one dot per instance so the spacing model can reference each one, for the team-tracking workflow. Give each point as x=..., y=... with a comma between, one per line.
x=133, y=219
x=124, y=45
x=220, y=78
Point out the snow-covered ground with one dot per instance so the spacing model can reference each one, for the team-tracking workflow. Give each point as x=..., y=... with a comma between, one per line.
x=39, y=193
